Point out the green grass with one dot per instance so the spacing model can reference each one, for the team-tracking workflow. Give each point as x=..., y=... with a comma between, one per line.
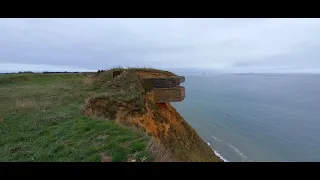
x=41, y=120
x=125, y=90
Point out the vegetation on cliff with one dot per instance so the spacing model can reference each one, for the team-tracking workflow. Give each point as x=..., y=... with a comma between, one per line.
x=96, y=117
x=128, y=100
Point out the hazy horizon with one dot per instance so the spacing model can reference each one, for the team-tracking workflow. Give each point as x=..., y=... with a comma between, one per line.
x=268, y=45
x=183, y=71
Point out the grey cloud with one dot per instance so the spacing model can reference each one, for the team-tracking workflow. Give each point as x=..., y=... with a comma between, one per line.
x=218, y=44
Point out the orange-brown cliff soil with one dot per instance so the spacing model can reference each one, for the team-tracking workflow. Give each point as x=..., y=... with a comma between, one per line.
x=126, y=100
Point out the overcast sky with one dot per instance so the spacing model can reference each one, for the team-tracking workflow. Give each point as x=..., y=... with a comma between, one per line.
x=223, y=45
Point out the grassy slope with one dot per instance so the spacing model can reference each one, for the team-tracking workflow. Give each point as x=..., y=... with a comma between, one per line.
x=160, y=121
x=40, y=120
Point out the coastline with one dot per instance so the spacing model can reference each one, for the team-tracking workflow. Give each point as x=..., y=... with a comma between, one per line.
x=218, y=154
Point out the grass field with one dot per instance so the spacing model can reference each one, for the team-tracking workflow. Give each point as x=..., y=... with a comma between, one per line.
x=41, y=120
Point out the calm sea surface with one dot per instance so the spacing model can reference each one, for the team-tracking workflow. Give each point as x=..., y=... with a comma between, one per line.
x=256, y=117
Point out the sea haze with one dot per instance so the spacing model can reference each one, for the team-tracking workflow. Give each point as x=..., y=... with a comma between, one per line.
x=255, y=117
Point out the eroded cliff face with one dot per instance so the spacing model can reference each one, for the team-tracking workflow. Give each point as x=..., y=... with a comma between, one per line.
x=164, y=124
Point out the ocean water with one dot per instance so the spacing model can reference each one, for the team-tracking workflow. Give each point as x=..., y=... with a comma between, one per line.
x=255, y=117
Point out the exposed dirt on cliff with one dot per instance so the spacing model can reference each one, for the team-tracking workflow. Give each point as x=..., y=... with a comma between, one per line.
x=133, y=105
x=165, y=124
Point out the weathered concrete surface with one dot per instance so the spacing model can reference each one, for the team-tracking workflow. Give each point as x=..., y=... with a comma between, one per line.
x=164, y=82
x=174, y=94
x=182, y=79
x=166, y=89
x=116, y=73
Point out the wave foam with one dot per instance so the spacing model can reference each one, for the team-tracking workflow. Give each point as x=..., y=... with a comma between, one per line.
x=217, y=154
x=229, y=145
x=220, y=156
x=237, y=151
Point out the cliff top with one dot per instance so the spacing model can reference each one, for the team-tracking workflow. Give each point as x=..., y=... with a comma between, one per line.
x=81, y=117
x=129, y=100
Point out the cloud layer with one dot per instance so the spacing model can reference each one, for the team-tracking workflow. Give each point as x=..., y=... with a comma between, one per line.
x=226, y=45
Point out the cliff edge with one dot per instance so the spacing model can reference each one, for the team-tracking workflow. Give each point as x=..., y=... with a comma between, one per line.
x=127, y=96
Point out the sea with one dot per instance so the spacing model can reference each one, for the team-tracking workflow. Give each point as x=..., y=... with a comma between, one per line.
x=255, y=117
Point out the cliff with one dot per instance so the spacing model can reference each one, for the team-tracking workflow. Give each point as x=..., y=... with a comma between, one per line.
x=124, y=95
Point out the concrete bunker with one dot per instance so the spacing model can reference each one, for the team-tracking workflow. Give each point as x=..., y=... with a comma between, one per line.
x=166, y=89
x=116, y=73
